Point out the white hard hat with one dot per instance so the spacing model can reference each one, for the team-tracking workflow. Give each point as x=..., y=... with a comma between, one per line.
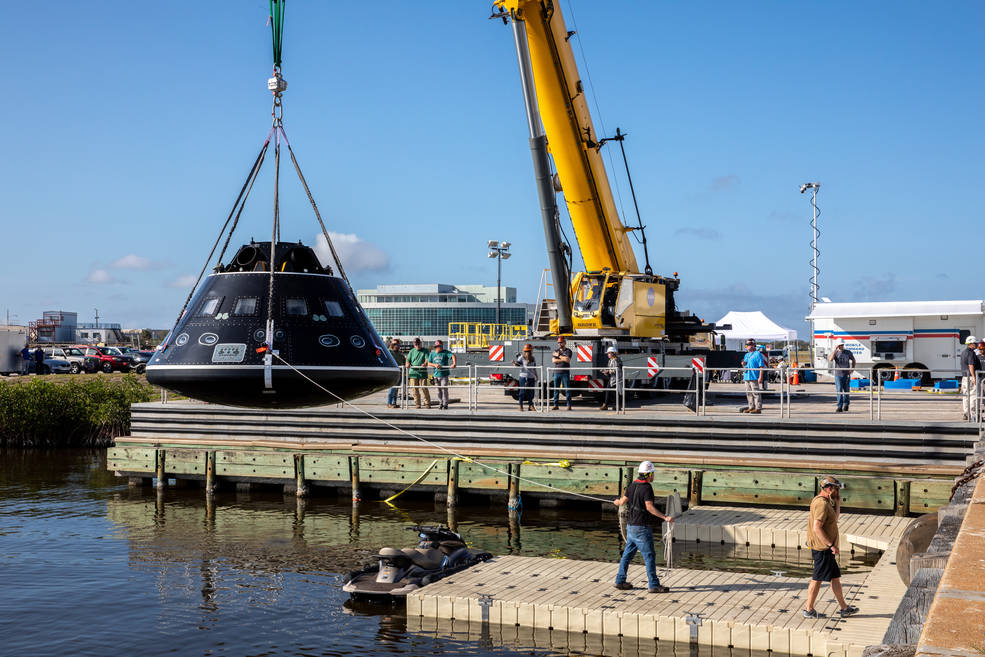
x=970, y=340
x=611, y=350
x=646, y=467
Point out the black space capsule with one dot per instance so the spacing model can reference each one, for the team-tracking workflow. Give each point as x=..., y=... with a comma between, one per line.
x=217, y=351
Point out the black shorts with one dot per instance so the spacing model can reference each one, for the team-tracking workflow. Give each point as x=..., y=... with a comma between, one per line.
x=825, y=566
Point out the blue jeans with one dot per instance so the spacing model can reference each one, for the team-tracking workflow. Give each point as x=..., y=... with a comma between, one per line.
x=391, y=396
x=526, y=395
x=562, y=379
x=639, y=538
x=842, y=386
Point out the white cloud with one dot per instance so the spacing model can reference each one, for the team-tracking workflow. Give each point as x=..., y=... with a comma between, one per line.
x=183, y=282
x=135, y=262
x=355, y=253
x=100, y=277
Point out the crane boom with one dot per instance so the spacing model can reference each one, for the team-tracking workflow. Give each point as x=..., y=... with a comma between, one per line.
x=602, y=238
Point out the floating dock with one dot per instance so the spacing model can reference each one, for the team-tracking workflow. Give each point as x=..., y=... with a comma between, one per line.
x=738, y=610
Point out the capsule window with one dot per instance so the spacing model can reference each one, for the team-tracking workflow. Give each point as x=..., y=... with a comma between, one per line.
x=245, y=306
x=333, y=308
x=296, y=306
x=210, y=306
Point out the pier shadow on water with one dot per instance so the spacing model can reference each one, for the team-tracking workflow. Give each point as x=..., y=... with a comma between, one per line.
x=93, y=567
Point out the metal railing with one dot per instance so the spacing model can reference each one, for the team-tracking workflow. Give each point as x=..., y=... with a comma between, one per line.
x=695, y=386
x=479, y=385
x=503, y=380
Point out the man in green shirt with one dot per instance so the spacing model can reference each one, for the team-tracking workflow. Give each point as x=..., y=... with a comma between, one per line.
x=441, y=361
x=417, y=374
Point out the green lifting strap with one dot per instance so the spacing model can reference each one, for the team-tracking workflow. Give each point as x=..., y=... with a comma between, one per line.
x=277, y=28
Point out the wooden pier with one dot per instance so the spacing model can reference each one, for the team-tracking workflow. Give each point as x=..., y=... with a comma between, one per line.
x=738, y=610
x=904, y=468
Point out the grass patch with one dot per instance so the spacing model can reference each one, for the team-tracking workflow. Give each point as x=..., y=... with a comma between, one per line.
x=68, y=411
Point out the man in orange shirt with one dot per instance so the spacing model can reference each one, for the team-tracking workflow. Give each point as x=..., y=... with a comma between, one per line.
x=822, y=539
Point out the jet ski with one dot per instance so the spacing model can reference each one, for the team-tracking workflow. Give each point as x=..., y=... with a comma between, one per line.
x=440, y=552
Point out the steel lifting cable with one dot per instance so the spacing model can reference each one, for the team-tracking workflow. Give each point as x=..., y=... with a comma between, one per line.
x=239, y=213
x=236, y=210
x=314, y=206
x=432, y=444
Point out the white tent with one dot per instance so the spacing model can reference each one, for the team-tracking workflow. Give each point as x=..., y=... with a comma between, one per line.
x=752, y=325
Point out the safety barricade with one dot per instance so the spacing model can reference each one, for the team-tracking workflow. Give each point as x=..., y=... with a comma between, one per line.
x=729, y=382
x=658, y=381
x=491, y=383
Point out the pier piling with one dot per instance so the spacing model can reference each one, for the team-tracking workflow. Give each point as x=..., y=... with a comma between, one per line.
x=162, y=479
x=210, y=485
x=301, y=489
x=354, y=478
x=452, y=499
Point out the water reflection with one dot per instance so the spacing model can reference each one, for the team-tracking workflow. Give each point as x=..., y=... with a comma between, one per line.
x=142, y=571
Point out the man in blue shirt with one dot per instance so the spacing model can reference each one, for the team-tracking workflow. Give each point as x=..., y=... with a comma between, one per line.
x=752, y=377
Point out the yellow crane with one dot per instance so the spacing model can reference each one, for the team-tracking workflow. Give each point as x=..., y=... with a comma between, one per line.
x=612, y=297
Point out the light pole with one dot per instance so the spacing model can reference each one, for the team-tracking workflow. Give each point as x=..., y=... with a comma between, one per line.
x=815, y=252
x=500, y=251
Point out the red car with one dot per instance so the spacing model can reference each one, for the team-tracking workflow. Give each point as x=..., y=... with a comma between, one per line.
x=106, y=359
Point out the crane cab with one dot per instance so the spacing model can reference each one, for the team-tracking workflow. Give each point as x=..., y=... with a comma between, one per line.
x=610, y=302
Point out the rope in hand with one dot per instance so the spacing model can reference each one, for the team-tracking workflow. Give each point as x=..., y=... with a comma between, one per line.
x=467, y=459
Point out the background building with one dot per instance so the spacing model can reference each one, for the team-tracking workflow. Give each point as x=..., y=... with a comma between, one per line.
x=409, y=311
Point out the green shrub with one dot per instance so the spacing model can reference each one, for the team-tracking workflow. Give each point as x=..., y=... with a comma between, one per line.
x=74, y=413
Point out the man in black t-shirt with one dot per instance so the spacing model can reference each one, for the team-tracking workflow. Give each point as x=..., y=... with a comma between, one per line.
x=970, y=384
x=639, y=530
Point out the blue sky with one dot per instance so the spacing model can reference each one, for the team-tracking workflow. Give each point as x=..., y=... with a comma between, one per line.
x=132, y=125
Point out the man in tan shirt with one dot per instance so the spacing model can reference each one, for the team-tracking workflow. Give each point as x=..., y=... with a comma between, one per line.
x=822, y=539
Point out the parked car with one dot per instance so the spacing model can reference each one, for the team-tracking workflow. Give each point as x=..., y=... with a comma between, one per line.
x=57, y=366
x=106, y=359
x=140, y=359
x=74, y=355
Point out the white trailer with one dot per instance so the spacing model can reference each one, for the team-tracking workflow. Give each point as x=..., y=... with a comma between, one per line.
x=898, y=335
x=12, y=340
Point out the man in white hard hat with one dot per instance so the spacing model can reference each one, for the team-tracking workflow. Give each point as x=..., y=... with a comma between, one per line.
x=822, y=539
x=639, y=529
x=970, y=383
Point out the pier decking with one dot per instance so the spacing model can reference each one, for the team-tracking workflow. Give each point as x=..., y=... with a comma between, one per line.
x=744, y=611
x=757, y=612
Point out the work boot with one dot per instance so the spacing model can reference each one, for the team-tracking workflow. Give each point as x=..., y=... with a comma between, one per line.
x=659, y=589
x=554, y=408
x=603, y=407
x=755, y=411
x=624, y=586
x=530, y=407
x=569, y=407
x=521, y=408
x=745, y=410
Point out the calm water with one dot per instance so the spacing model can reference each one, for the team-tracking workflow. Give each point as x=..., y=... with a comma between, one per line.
x=89, y=566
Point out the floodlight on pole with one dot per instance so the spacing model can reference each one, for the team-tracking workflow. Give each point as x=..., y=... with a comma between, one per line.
x=500, y=251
